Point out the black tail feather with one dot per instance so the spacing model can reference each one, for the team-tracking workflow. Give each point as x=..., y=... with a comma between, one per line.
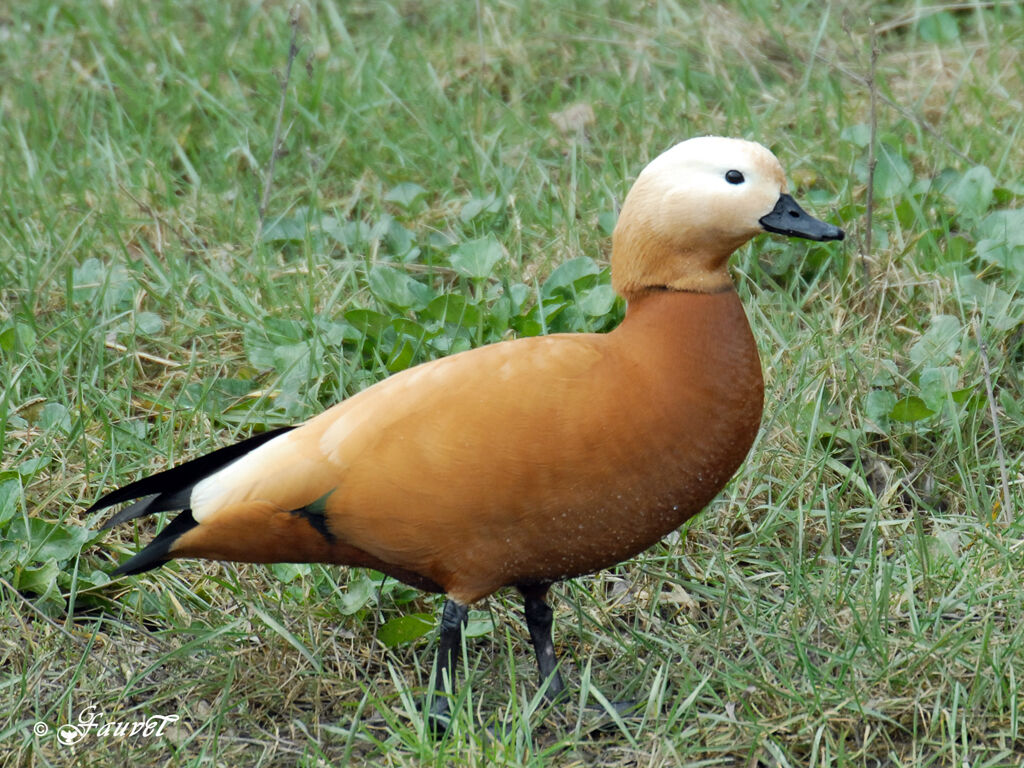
x=155, y=553
x=148, y=505
x=136, y=509
x=171, y=488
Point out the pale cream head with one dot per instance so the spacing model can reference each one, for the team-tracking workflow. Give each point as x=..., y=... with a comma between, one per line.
x=684, y=217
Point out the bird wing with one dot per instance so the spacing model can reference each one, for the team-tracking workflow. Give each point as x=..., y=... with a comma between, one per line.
x=432, y=460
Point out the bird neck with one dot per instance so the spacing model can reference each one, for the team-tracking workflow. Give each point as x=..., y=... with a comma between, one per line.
x=641, y=261
x=674, y=309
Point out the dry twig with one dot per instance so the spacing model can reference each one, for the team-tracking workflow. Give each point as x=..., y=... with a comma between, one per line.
x=990, y=391
x=293, y=50
x=118, y=347
x=872, y=160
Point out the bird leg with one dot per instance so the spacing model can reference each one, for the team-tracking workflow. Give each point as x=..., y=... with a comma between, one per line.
x=538, y=621
x=453, y=621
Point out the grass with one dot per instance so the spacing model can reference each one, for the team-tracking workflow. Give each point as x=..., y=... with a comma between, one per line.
x=853, y=598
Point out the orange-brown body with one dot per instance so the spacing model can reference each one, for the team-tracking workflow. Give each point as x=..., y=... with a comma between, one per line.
x=469, y=474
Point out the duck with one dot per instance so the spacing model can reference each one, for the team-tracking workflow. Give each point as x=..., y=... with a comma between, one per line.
x=525, y=462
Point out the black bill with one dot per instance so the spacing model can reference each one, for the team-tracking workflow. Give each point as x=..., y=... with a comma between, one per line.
x=788, y=218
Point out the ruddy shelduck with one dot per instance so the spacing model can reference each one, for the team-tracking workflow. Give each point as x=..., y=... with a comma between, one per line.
x=529, y=461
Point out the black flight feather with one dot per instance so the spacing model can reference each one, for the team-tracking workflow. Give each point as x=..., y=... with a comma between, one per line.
x=172, y=488
x=155, y=553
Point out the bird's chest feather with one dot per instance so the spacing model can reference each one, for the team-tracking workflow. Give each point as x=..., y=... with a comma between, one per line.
x=665, y=437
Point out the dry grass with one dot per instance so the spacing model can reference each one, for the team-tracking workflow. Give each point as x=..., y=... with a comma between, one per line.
x=850, y=599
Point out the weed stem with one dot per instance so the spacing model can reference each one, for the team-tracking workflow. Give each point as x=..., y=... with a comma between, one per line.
x=293, y=49
x=1005, y=517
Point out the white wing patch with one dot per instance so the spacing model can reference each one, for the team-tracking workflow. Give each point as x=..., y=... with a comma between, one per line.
x=232, y=481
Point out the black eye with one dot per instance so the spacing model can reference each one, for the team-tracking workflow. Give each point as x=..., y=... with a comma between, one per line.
x=734, y=177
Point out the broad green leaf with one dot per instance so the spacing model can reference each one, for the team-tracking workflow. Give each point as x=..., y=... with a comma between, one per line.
x=451, y=343
x=260, y=341
x=55, y=416
x=477, y=205
x=1001, y=239
x=453, y=308
x=113, y=284
x=1000, y=309
x=1011, y=404
x=403, y=630
x=966, y=395
x=285, y=230
x=29, y=467
x=550, y=309
x=937, y=385
x=910, y=408
x=938, y=27
x=859, y=135
x=8, y=338
x=980, y=294
x=288, y=572
x=367, y=322
x=1010, y=258
x=148, y=323
x=520, y=294
x=360, y=592
x=597, y=301
x=878, y=405
x=892, y=173
x=499, y=315
x=477, y=258
x=402, y=356
x=1004, y=226
x=479, y=624
x=972, y=192
x=939, y=343
x=568, y=273
x=886, y=375
x=397, y=289
x=12, y=552
x=440, y=241
x=295, y=364
x=281, y=330
x=350, y=234
x=10, y=492
x=334, y=333
x=413, y=330
x=94, y=578
x=958, y=249
x=217, y=394
x=406, y=195
x=49, y=540
x=606, y=221
x=40, y=579
x=88, y=276
x=400, y=242
x=528, y=326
